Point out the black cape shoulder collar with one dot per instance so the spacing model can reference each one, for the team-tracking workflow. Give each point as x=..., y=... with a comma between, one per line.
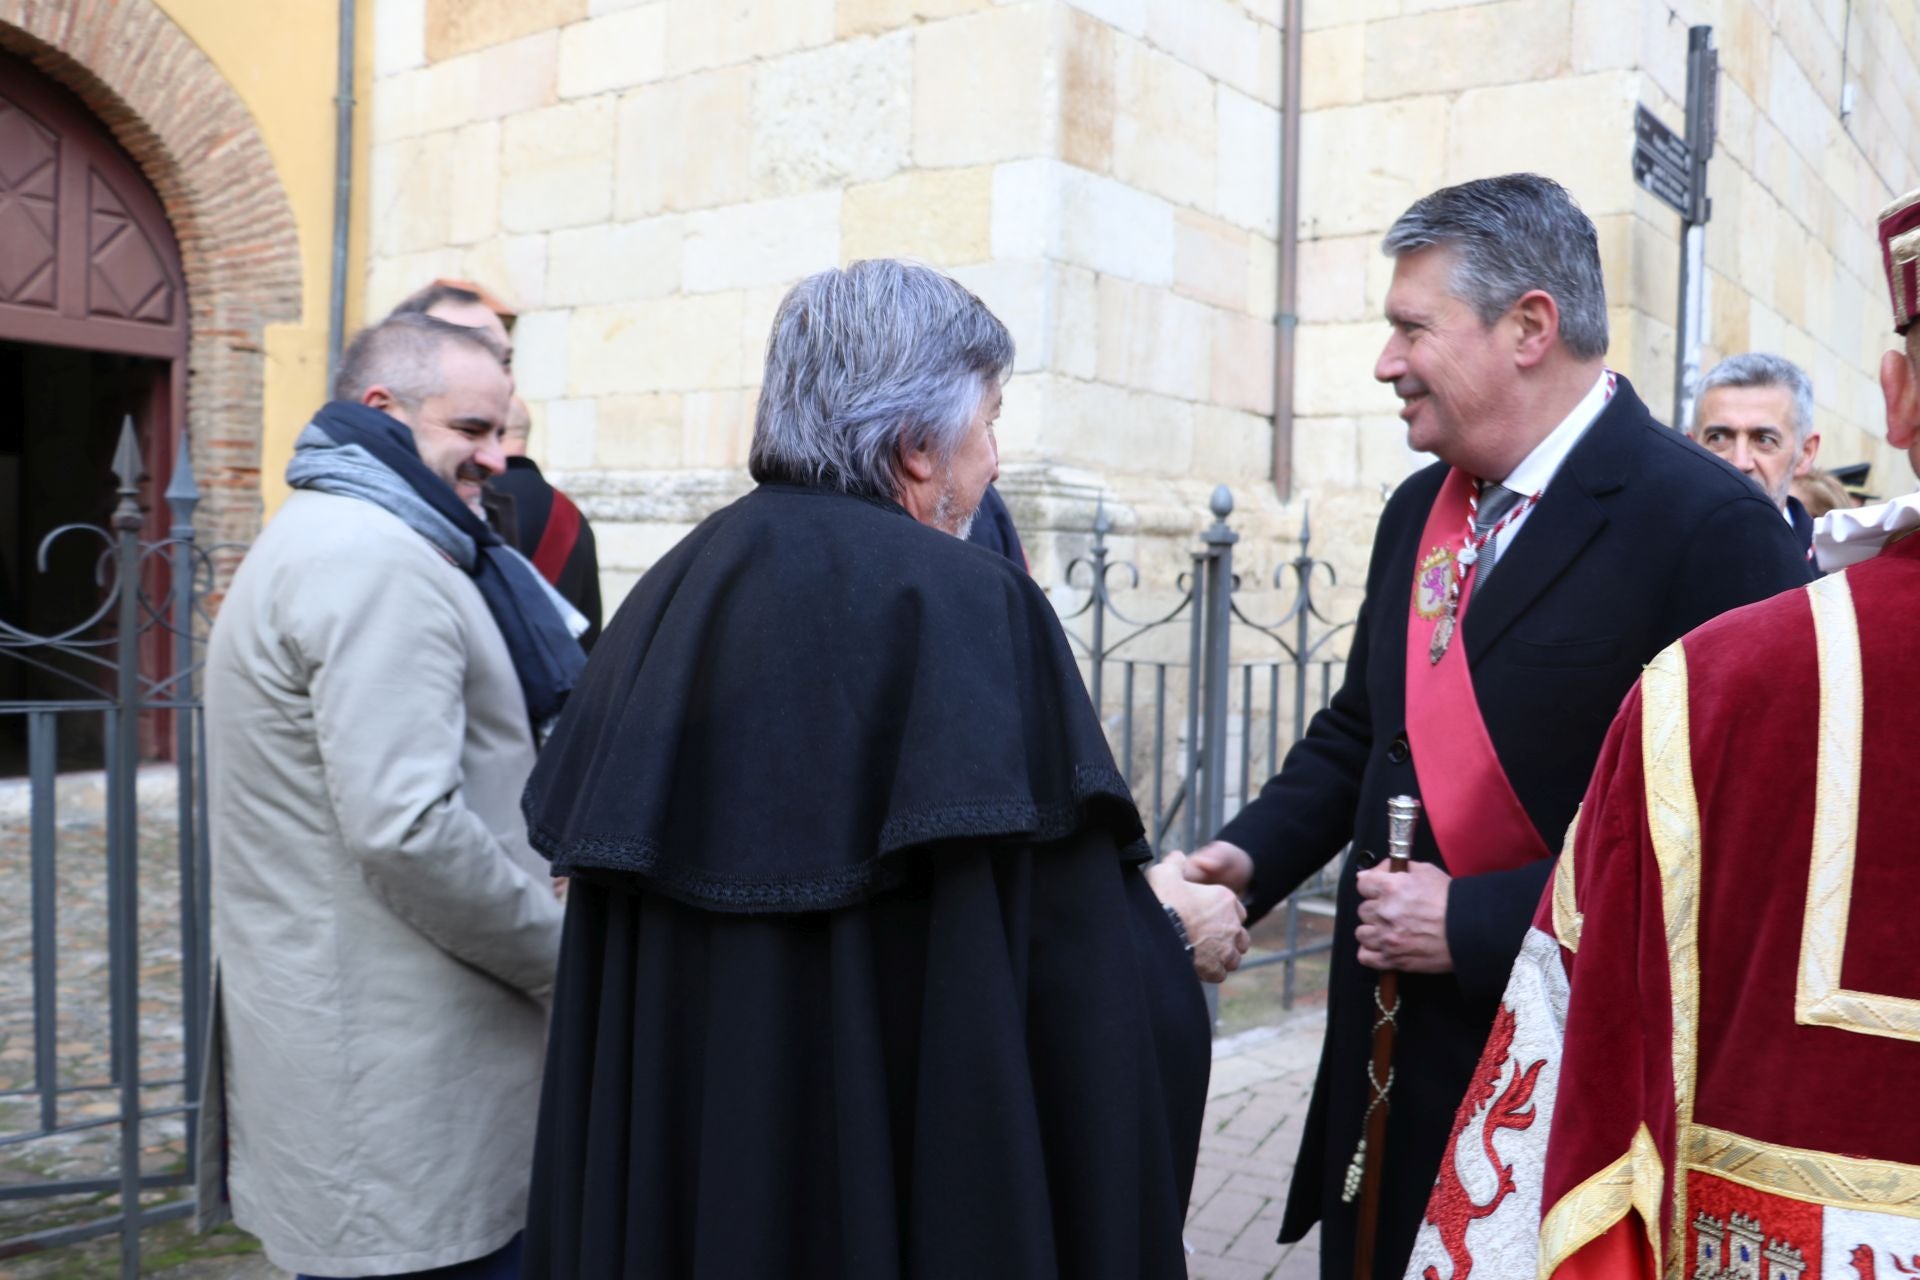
x=807, y=694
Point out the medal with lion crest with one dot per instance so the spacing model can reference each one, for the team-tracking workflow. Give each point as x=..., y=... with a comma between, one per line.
x=1438, y=580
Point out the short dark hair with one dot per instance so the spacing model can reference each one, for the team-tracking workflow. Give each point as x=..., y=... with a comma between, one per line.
x=421, y=301
x=402, y=353
x=1509, y=236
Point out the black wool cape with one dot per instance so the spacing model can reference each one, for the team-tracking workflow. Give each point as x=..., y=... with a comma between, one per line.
x=860, y=976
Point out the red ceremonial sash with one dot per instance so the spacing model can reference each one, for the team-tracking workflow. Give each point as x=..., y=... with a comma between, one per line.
x=557, y=540
x=1477, y=820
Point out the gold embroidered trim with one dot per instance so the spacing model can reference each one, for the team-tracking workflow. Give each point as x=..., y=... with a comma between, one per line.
x=1875, y=1186
x=1819, y=999
x=1567, y=920
x=1585, y=1213
x=1673, y=818
x=1821, y=1177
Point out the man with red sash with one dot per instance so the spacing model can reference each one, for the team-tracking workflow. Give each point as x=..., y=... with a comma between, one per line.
x=1503, y=623
x=1696, y=1067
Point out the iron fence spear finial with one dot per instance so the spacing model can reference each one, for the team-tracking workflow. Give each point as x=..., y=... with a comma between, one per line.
x=128, y=468
x=183, y=492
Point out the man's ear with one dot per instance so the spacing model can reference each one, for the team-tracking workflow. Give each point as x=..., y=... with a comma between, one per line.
x=1537, y=317
x=1901, y=389
x=1808, y=452
x=378, y=397
x=918, y=463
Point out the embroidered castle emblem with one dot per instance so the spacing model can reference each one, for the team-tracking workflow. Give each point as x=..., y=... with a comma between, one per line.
x=1430, y=583
x=1737, y=1247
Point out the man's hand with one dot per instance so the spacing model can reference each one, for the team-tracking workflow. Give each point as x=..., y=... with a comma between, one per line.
x=1214, y=919
x=1221, y=863
x=1403, y=919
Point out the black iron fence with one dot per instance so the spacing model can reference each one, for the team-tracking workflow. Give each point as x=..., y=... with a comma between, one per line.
x=1201, y=699
x=94, y=693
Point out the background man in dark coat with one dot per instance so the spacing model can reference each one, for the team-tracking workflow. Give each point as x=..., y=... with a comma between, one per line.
x=993, y=529
x=546, y=526
x=1756, y=411
x=1620, y=536
x=862, y=978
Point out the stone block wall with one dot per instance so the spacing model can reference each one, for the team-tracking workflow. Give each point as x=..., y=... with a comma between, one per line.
x=644, y=180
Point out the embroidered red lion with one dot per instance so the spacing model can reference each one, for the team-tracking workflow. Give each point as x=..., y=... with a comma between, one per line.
x=1862, y=1261
x=1453, y=1208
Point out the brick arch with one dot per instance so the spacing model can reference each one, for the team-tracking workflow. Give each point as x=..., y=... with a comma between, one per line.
x=188, y=131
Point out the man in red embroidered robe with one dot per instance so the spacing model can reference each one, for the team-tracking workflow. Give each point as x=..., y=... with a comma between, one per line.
x=1711, y=1024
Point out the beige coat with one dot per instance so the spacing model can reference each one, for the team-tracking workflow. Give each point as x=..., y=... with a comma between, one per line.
x=386, y=938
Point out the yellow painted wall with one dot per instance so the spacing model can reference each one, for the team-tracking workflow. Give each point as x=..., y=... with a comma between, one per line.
x=281, y=59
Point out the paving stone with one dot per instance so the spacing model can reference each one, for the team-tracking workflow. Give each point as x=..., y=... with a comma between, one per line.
x=1201, y=1267
x=1259, y=1241
x=1205, y=1243
x=1260, y=1117
x=1229, y=1211
x=1206, y=1180
x=1274, y=1188
x=1301, y=1262
x=1261, y=1084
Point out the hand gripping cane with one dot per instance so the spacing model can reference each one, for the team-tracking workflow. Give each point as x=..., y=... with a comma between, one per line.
x=1363, y=1175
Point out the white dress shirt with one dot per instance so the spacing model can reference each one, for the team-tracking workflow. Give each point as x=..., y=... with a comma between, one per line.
x=1537, y=469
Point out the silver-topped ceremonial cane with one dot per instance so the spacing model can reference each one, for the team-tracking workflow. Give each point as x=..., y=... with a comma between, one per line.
x=1363, y=1176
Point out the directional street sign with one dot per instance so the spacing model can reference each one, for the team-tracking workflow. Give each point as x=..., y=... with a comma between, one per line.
x=1662, y=161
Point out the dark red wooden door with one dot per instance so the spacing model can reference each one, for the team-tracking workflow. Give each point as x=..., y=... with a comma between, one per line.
x=88, y=262
x=87, y=258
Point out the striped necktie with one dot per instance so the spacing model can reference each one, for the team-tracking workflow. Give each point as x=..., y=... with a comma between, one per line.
x=1495, y=501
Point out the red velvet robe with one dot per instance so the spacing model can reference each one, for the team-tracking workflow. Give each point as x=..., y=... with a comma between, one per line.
x=1704, y=1062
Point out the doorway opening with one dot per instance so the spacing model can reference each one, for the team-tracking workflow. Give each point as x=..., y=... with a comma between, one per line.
x=61, y=410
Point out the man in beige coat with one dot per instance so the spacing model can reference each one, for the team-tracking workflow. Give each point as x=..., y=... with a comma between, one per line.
x=386, y=937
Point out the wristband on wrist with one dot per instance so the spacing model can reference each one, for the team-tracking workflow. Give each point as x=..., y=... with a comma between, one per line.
x=1179, y=926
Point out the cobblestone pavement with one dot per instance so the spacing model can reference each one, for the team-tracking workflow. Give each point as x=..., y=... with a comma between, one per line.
x=1256, y=1101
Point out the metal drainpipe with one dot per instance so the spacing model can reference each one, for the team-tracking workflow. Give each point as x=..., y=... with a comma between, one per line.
x=342, y=188
x=1285, y=319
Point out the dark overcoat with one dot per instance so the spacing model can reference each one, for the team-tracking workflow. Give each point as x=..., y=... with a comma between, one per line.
x=1641, y=536
x=533, y=502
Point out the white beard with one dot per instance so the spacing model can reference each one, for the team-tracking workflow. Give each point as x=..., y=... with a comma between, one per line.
x=944, y=516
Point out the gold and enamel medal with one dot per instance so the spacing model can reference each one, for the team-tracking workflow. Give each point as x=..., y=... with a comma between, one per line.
x=1430, y=583
x=1443, y=634
x=1436, y=594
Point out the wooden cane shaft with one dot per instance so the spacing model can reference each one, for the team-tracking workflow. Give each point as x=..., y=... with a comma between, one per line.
x=1368, y=1225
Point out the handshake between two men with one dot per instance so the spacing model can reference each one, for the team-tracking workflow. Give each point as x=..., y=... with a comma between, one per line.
x=1403, y=918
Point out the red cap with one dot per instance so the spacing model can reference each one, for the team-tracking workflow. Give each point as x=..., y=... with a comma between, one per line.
x=1900, y=252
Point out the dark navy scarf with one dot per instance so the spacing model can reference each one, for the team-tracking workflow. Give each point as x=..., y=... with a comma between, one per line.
x=359, y=452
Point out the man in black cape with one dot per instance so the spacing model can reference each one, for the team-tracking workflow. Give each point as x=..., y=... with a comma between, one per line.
x=862, y=977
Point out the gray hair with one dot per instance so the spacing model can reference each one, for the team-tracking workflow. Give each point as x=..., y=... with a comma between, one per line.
x=866, y=363
x=1759, y=369
x=402, y=354
x=1509, y=236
